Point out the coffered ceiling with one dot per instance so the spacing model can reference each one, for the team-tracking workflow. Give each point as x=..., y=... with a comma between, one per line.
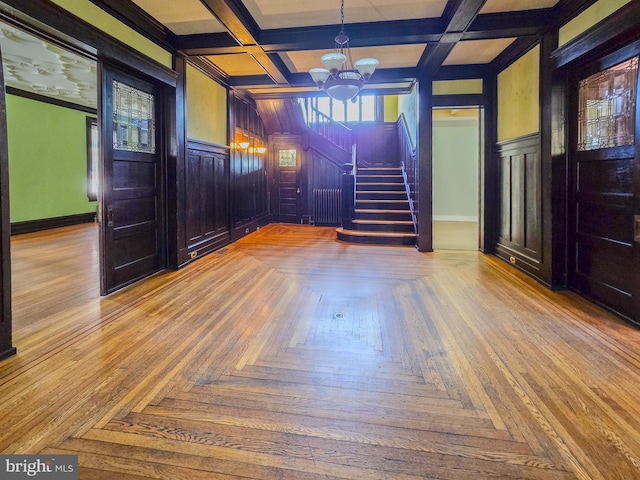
x=260, y=45
x=267, y=46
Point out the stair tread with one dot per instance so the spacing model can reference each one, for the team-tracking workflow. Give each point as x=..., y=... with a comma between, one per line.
x=381, y=200
x=371, y=233
x=379, y=210
x=383, y=222
x=383, y=192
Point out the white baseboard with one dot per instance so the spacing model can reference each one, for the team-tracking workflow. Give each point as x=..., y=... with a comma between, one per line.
x=454, y=218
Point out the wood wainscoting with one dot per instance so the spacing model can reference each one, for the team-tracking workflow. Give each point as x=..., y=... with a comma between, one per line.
x=520, y=203
x=206, y=198
x=291, y=355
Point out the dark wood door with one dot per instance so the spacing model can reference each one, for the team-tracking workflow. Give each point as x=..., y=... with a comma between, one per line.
x=289, y=188
x=132, y=223
x=605, y=195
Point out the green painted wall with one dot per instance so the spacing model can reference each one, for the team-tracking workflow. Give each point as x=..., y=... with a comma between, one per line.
x=97, y=17
x=47, y=160
x=206, y=108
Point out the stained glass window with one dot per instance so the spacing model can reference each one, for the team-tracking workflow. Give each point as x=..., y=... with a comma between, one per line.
x=287, y=158
x=606, y=117
x=133, y=119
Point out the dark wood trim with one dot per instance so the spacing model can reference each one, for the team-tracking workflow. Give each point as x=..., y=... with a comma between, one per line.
x=522, y=23
x=567, y=10
x=136, y=18
x=425, y=167
x=243, y=28
x=29, y=226
x=6, y=320
x=90, y=122
x=462, y=100
x=58, y=25
x=513, y=52
x=176, y=164
x=204, y=146
x=462, y=72
x=489, y=168
x=458, y=16
x=8, y=353
x=622, y=23
x=548, y=274
x=52, y=101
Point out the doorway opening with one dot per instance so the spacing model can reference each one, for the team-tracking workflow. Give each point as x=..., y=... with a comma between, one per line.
x=457, y=134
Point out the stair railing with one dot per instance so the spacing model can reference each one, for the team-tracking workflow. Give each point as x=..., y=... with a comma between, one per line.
x=349, y=191
x=409, y=163
x=325, y=126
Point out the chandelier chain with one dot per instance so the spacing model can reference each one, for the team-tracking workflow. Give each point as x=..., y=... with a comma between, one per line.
x=342, y=14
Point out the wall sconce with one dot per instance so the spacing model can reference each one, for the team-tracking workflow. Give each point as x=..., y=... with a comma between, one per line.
x=261, y=149
x=243, y=145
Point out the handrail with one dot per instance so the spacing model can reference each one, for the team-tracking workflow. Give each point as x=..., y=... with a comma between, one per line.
x=408, y=158
x=354, y=170
x=336, y=132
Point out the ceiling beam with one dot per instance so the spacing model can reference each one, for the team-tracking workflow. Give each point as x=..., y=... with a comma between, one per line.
x=458, y=16
x=243, y=29
x=510, y=24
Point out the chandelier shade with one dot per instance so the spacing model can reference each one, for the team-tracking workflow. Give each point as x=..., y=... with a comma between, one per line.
x=341, y=78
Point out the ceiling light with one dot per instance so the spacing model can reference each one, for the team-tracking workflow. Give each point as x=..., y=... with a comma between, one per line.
x=341, y=78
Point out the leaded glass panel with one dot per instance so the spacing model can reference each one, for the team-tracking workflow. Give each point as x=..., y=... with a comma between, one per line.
x=133, y=119
x=606, y=117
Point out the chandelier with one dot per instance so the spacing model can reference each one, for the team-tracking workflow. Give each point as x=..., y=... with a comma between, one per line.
x=341, y=78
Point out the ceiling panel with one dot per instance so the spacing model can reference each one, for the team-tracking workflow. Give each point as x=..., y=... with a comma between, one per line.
x=303, y=13
x=477, y=51
x=182, y=17
x=397, y=56
x=237, y=64
x=35, y=66
x=495, y=6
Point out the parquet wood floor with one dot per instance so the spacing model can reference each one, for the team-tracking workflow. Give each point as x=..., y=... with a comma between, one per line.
x=290, y=355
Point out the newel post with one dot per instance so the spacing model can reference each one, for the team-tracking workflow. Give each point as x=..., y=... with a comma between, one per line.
x=348, y=194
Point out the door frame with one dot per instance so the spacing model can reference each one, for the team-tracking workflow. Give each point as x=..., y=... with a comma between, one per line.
x=71, y=32
x=6, y=343
x=288, y=142
x=162, y=134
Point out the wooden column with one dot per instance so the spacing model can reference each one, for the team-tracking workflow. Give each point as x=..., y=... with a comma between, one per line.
x=425, y=166
x=6, y=347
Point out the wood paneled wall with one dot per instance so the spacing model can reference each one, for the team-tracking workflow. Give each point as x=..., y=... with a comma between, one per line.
x=377, y=144
x=249, y=193
x=207, y=196
x=520, y=202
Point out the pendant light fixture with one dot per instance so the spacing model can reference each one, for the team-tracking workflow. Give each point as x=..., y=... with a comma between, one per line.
x=341, y=78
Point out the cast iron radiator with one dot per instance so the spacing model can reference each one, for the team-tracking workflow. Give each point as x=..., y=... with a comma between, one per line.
x=327, y=206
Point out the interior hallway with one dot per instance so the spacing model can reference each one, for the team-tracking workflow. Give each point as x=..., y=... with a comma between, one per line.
x=291, y=355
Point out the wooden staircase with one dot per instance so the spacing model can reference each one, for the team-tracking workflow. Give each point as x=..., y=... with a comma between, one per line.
x=382, y=212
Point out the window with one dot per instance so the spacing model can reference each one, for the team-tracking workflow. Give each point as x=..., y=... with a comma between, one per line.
x=362, y=110
x=606, y=116
x=287, y=158
x=93, y=150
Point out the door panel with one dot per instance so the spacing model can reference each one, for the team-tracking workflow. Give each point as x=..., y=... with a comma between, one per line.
x=289, y=190
x=604, y=195
x=132, y=239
